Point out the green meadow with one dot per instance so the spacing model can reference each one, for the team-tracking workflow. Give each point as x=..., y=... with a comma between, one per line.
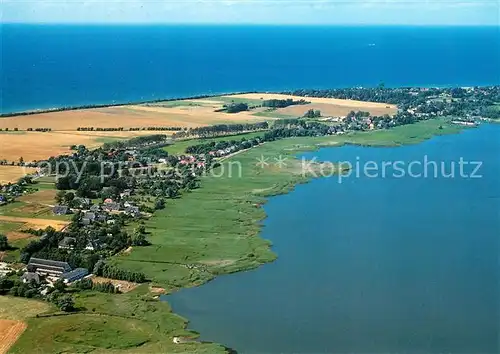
x=130, y=323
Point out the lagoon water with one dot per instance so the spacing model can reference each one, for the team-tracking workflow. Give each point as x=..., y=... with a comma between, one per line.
x=45, y=66
x=371, y=265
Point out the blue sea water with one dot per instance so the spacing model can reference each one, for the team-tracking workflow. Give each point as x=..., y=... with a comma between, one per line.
x=371, y=265
x=45, y=66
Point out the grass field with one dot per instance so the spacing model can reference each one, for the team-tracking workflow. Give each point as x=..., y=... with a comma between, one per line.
x=129, y=323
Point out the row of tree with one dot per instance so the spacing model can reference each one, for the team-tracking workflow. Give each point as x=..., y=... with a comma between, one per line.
x=113, y=129
x=221, y=129
x=29, y=129
x=108, y=271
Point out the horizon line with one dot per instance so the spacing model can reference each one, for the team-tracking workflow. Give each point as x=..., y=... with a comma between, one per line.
x=226, y=24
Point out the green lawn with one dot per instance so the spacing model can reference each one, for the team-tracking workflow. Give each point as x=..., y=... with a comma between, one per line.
x=13, y=255
x=44, y=185
x=6, y=226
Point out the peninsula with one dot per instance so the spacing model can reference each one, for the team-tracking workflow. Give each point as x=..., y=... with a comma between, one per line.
x=103, y=210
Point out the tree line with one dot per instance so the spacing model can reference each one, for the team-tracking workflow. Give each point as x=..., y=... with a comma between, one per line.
x=43, y=130
x=113, y=129
x=221, y=129
x=108, y=271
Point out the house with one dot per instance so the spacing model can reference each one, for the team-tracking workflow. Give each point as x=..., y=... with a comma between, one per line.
x=89, y=215
x=4, y=269
x=60, y=210
x=111, y=206
x=85, y=222
x=125, y=193
x=82, y=203
x=3, y=200
x=108, y=201
x=74, y=275
x=92, y=246
x=67, y=243
x=133, y=211
x=28, y=277
x=95, y=208
x=48, y=267
x=102, y=217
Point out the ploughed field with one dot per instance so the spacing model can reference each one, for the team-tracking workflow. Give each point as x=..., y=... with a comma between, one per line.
x=18, y=141
x=9, y=332
x=14, y=314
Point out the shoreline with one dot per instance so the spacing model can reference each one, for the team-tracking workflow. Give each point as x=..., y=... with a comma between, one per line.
x=107, y=105
x=291, y=188
x=194, y=97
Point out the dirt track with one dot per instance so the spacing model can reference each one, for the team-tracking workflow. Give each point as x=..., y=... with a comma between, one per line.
x=10, y=331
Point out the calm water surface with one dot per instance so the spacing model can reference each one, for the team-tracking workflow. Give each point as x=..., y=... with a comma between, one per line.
x=61, y=65
x=372, y=265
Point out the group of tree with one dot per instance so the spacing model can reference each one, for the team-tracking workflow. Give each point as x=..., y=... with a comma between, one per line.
x=64, y=301
x=276, y=103
x=112, y=129
x=28, y=129
x=475, y=101
x=283, y=128
x=103, y=287
x=238, y=145
x=312, y=114
x=43, y=130
x=234, y=107
x=109, y=271
x=4, y=243
x=18, y=288
x=140, y=141
x=173, y=129
x=221, y=129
